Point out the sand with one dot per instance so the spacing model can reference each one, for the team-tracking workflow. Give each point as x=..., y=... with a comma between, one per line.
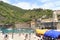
x=20, y=36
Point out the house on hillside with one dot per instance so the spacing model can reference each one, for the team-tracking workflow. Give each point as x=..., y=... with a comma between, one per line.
x=47, y=23
x=58, y=17
x=51, y=23
x=58, y=14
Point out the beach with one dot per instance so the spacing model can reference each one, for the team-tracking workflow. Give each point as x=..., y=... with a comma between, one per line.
x=20, y=36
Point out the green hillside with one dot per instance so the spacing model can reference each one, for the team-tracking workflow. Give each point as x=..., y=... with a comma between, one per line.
x=10, y=13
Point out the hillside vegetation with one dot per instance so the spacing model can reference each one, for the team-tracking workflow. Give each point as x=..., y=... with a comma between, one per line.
x=10, y=13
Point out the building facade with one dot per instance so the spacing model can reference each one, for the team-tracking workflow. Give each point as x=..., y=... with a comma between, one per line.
x=51, y=23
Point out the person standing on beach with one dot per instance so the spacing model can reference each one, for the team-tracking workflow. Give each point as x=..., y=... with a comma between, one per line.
x=29, y=36
x=26, y=36
x=6, y=37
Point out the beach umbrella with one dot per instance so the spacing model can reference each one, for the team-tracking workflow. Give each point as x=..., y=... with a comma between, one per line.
x=41, y=31
x=52, y=34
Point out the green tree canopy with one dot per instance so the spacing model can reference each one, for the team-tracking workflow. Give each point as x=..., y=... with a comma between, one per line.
x=15, y=14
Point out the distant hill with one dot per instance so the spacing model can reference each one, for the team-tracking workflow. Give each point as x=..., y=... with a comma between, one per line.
x=10, y=13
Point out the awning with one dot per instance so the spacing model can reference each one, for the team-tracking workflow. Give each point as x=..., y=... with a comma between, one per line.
x=41, y=31
x=52, y=34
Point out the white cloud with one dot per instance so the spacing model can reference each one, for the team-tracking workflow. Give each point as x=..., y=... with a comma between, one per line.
x=56, y=8
x=50, y=4
x=35, y=6
x=47, y=4
x=44, y=0
x=26, y=5
x=23, y=5
x=7, y=1
x=0, y=0
x=57, y=3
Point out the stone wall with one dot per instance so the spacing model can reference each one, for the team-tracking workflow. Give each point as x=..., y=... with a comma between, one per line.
x=22, y=25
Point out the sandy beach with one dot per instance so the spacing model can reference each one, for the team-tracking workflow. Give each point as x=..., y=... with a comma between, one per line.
x=20, y=36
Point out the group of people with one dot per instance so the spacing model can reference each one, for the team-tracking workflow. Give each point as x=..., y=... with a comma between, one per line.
x=47, y=38
x=28, y=37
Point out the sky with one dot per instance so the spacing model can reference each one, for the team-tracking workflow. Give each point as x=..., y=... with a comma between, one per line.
x=30, y=4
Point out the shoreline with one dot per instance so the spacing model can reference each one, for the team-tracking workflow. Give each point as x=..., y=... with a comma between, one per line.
x=17, y=36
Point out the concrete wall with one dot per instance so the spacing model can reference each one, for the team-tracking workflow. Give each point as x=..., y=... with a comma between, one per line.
x=58, y=25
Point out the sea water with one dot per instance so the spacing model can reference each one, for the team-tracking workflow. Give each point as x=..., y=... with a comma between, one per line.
x=21, y=30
